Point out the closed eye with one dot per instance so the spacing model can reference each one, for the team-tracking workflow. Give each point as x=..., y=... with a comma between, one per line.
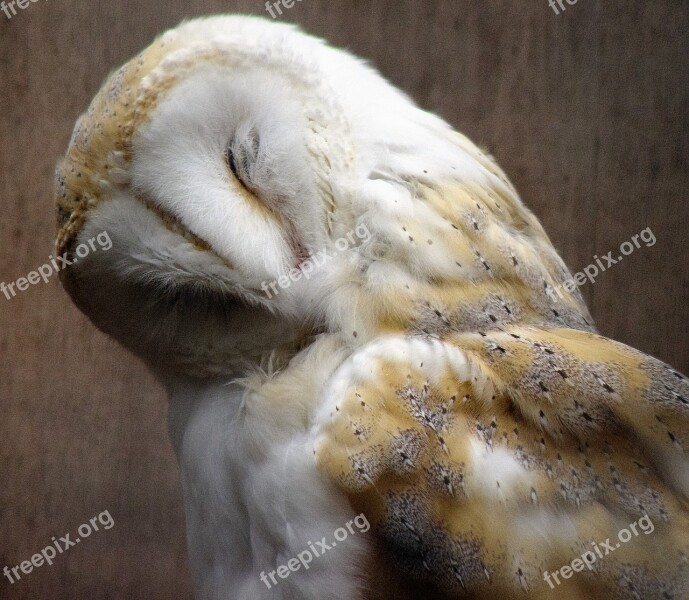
x=241, y=156
x=231, y=161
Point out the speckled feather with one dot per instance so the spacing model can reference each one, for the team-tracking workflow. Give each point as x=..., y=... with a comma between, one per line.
x=428, y=375
x=495, y=405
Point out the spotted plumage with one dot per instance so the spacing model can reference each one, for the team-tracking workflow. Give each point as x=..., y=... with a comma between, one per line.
x=434, y=373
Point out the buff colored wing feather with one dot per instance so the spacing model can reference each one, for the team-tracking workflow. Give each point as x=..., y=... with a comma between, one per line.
x=492, y=435
x=485, y=460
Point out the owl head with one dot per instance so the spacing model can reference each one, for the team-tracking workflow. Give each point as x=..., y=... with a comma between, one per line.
x=260, y=188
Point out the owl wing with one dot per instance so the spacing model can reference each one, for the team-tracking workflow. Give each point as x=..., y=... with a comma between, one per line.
x=487, y=460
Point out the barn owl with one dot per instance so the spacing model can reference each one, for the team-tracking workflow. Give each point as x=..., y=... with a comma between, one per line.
x=352, y=313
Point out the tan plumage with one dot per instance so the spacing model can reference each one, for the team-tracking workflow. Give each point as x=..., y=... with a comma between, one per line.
x=589, y=428
x=427, y=376
x=597, y=429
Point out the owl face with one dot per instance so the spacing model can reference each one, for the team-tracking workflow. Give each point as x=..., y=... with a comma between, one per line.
x=212, y=160
x=226, y=155
x=260, y=188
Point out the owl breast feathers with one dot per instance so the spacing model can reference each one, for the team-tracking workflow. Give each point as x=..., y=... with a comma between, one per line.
x=424, y=374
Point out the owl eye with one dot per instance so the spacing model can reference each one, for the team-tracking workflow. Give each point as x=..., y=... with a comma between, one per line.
x=231, y=161
x=241, y=156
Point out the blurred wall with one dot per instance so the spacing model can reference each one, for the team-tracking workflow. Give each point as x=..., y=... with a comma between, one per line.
x=587, y=111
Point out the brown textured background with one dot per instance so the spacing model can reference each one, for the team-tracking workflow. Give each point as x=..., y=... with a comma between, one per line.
x=586, y=111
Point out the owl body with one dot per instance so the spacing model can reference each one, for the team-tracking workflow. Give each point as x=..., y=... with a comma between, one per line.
x=353, y=313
